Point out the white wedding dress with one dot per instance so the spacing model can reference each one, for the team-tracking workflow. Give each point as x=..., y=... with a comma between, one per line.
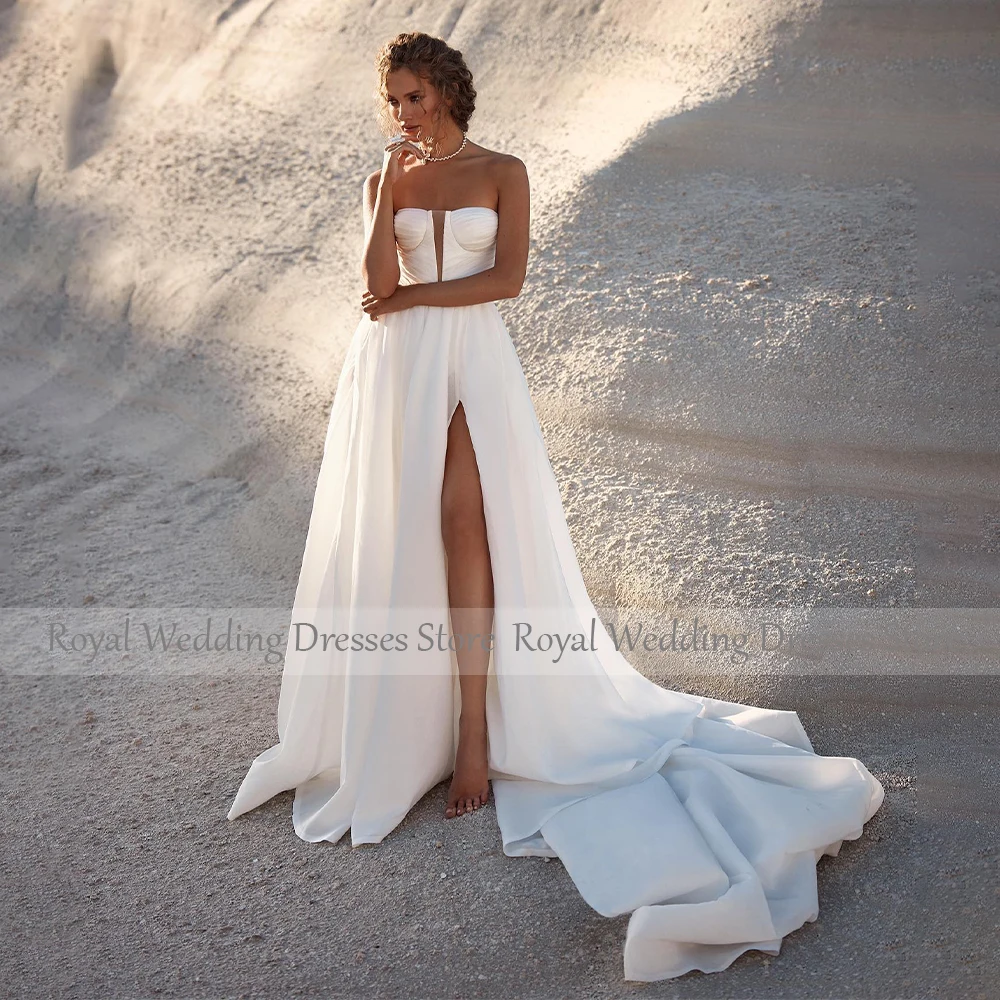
x=702, y=818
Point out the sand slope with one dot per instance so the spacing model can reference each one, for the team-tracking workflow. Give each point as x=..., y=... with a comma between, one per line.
x=760, y=326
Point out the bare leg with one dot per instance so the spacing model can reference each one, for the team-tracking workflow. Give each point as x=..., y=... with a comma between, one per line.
x=470, y=594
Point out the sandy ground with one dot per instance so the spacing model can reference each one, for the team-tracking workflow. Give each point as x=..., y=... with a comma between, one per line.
x=760, y=327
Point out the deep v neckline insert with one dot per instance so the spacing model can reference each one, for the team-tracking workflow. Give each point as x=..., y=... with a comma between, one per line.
x=437, y=231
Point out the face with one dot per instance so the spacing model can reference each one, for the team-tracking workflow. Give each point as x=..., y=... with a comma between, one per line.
x=415, y=105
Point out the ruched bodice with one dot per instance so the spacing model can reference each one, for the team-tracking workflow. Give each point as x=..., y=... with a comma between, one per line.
x=469, y=243
x=703, y=818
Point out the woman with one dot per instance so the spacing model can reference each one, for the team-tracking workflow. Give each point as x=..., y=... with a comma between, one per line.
x=437, y=561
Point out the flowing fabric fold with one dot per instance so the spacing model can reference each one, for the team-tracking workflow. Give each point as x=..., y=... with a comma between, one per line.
x=703, y=819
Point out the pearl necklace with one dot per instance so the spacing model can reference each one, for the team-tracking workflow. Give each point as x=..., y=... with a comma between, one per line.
x=437, y=159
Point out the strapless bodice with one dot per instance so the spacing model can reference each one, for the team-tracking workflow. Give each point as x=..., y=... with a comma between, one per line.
x=469, y=243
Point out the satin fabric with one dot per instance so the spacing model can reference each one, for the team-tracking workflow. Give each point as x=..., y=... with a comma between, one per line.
x=702, y=818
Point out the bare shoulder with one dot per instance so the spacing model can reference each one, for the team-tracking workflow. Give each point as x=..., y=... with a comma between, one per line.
x=369, y=195
x=496, y=161
x=512, y=163
x=508, y=172
x=511, y=179
x=505, y=165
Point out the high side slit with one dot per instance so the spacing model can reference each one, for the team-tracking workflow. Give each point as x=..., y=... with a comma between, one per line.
x=702, y=818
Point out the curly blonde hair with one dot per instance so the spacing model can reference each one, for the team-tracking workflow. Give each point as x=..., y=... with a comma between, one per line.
x=431, y=59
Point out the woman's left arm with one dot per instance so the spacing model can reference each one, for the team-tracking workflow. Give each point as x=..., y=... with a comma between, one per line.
x=501, y=281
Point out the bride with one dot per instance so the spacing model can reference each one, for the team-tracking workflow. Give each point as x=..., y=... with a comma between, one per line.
x=441, y=626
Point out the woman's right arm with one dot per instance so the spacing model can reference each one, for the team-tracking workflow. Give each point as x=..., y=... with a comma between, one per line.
x=379, y=263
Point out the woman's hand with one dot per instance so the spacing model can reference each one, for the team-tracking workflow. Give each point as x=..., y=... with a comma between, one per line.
x=376, y=307
x=396, y=156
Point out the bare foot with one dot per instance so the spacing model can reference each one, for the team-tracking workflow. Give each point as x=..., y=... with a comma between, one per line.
x=470, y=787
